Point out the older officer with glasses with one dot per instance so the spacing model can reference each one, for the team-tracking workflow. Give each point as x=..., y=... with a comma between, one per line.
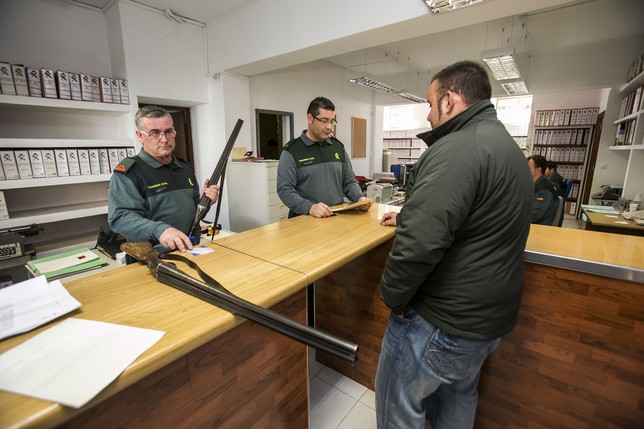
x=314, y=170
x=153, y=196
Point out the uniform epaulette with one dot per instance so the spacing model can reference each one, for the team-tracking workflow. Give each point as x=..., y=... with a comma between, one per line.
x=125, y=165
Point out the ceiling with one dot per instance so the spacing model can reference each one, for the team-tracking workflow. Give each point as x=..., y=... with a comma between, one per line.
x=409, y=63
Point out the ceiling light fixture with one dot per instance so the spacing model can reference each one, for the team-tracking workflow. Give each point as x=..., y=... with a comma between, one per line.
x=515, y=88
x=439, y=6
x=370, y=82
x=411, y=97
x=501, y=63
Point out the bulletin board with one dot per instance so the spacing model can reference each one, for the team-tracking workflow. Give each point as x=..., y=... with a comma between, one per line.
x=358, y=138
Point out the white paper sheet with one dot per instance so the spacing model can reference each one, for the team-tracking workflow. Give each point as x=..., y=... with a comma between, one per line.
x=34, y=302
x=73, y=361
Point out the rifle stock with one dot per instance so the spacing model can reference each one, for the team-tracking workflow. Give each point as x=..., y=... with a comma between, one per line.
x=204, y=202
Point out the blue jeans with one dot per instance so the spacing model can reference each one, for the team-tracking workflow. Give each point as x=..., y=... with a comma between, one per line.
x=425, y=373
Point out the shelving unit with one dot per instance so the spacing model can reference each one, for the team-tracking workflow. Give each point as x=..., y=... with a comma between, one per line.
x=567, y=145
x=633, y=131
x=404, y=144
x=66, y=206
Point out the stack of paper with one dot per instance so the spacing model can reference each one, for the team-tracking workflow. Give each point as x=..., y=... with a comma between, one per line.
x=29, y=304
x=67, y=263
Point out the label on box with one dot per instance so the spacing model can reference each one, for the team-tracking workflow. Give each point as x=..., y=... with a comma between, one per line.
x=104, y=161
x=96, y=89
x=6, y=79
x=86, y=87
x=33, y=81
x=113, y=154
x=122, y=153
x=61, y=162
x=131, y=152
x=94, y=165
x=20, y=79
x=9, y=165
x=72, y=162
x=4, y=212
x=62, y=84
x=106, y=90
x=24, y=166
x=83, y=161
x=49, y=162
x=125, y=93
x=48, y=83
x=37, y=165
x=116, y=92
x=75, y=85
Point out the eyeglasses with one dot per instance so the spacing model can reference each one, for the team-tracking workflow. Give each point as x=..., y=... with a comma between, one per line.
x=325, y=121
x=156, y=134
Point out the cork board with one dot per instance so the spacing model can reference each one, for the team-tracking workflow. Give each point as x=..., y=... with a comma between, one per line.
x=358, y=138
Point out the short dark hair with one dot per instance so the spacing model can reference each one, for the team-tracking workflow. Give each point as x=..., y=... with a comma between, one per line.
x=552, y=165
x=539, y=162
x=467, y=78
x=149, y=112
x=320, y=103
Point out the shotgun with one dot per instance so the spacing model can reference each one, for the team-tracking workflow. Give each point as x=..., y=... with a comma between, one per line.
x=204, y=202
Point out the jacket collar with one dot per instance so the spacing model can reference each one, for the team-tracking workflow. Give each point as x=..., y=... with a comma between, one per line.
x=307, y=141
x=485, y=108
x=148, y=159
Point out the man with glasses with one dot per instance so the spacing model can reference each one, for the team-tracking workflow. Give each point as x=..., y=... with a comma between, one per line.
x=314, y=170
x=153, y=196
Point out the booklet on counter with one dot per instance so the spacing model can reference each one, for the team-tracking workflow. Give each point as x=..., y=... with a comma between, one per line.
x=66, y=263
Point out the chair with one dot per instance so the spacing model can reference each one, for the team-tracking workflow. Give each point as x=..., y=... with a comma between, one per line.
x=559, y=213
x=569, y=183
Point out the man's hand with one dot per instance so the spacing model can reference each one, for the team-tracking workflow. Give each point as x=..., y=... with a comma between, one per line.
x=320, y=210
x=211, y=192
x=172, y=239
x=389, y=219
x=366, y=206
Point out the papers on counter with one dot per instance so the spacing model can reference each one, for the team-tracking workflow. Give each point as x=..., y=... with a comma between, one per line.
x=66, y=263
x=73, y=361
x=34, y=302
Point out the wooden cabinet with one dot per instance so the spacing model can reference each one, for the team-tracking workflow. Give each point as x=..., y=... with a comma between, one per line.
x=78, y=201
x=629, y=135
x=252, y=195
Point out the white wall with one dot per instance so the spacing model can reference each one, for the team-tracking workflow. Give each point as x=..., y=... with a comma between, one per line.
x=292, y=89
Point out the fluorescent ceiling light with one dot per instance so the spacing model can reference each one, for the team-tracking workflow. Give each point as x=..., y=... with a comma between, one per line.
x=501, y=63
x=370, y=82
x=411, y=97
x=515, y=88
x=438, y=6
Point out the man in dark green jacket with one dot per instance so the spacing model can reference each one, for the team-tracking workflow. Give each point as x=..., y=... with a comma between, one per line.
x=454, y=277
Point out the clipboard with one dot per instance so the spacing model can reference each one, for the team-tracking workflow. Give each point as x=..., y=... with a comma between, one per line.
x=350, y=206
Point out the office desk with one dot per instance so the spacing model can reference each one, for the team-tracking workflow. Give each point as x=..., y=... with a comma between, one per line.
x=611, y=223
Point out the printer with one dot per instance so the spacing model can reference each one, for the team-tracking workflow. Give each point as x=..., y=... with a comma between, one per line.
x=380, y=192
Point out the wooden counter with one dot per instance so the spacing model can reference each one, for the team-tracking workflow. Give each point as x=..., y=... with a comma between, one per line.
x=203, y=368
x=578, y=345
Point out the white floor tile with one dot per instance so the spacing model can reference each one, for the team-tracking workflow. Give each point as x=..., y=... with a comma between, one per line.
x=344, y=384
x=329, y=406
x=360, y=417
x=369, y=399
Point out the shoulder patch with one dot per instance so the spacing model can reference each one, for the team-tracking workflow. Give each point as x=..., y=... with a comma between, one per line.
x=125, y=165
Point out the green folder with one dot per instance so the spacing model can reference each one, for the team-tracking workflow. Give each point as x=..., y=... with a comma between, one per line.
x=75, y=269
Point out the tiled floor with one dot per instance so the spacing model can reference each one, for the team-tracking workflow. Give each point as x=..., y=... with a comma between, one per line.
x=340, y=403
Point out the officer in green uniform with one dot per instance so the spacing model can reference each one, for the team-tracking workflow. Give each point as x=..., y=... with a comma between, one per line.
x=314, y=170
x=153, y=196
